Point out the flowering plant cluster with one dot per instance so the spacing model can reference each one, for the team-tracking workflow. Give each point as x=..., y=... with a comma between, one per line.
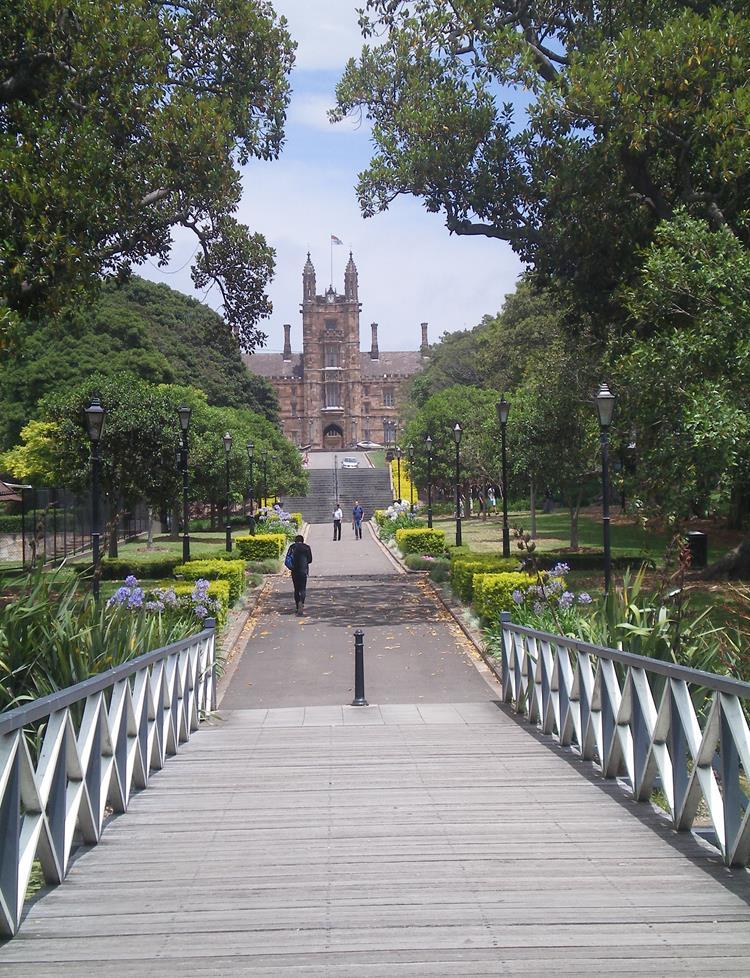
x=549, y=605
x=133, y=597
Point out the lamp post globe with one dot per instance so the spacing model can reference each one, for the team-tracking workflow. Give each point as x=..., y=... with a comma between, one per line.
x=183, y=413
x=503, y=410
x=227, y=439
x=95, y=415
x=457, y=432
x=428, y=446
x=605, y=406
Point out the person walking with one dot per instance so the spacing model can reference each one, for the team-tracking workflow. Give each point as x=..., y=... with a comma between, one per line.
x=337, y=518
x=357, y=517
x=301, y=559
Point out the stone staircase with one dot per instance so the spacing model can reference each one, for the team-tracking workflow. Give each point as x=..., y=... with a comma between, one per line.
x=371, y=487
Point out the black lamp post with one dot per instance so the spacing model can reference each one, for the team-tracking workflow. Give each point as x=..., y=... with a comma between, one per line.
x=385, y=432
x=410, y=453
x=398, y=470
x=227, y=449
x=95, y=414
x=605, y=405
x=503, y=410
x=250, y=456
x=263, y=500
x=428, y=445
x=183, y=413
x=274, y=459
x=457, y=432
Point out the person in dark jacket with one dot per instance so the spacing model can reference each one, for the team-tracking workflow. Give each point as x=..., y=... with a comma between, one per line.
x=302, y=557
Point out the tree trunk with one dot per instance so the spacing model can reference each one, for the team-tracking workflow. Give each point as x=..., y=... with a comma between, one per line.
x=213, y=516
x=736, y=563
x=113, y=526
x=532, y=528
x=150, y=528
x=174, y=525
x=739, y=506
x=574, y=508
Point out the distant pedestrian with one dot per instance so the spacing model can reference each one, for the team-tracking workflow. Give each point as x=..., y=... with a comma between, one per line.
x=357, y=516
x=491, y=501
x=337, y=518
x=301, y=560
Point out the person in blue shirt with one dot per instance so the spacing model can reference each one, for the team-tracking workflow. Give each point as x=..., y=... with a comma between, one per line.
x=357, y=517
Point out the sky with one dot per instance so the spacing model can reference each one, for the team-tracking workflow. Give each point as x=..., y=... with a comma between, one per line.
x=410, y=269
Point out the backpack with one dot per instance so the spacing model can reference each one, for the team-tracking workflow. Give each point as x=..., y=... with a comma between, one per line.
x=289, y=559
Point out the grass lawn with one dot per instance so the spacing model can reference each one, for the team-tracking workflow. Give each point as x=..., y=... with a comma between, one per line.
x=377, y=457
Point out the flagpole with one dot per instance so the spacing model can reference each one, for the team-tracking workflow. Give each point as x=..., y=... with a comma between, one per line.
x=331, y=261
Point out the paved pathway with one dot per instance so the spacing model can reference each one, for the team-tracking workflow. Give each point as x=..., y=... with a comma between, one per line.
x=411, y=839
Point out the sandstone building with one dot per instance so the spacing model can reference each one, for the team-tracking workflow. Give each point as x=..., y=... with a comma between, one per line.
x=332, y=395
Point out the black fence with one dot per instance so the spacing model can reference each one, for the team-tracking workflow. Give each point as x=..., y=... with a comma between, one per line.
x=51, y=524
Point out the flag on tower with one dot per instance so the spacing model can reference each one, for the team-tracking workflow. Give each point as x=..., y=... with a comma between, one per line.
x=335, y=240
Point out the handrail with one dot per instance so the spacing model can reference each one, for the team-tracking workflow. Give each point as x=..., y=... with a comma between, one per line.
x=572, y=690
x=132, y=718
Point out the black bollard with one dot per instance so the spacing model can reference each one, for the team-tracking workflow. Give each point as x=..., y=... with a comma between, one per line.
x=359, y=669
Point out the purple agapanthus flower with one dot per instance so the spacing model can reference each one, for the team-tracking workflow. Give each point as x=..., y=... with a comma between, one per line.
x=560, y=570
x=131, y=581
x=566, y=599
x=584, y=598
x=518, y=597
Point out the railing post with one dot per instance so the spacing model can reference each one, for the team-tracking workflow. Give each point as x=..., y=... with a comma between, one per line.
x=505, y=619
x=211, y=623
x=359, y=669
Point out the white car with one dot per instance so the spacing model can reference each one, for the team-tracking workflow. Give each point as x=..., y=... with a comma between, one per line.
x=349, y=463
x=368, y=444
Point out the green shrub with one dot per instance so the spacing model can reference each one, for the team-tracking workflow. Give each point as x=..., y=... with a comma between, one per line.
x=297, y=519
x=493, y=593
x=421, y=540
x=218, y=590
x=287, y=530
x=263, y=546
x=380, y=516
x=118, y=568
x=10, y=524
x=438, y=568
x=232, y=571
x=404, y=521
x=270, y=566
x=464, y=567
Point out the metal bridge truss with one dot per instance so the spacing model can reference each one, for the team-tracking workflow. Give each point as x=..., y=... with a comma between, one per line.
x=603, y=702
x=102, y=739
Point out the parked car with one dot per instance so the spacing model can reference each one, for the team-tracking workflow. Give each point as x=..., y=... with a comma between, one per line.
x=368, y=444
x=349, y=462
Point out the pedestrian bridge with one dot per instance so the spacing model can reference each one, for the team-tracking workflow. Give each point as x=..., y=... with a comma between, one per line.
x=484, y=829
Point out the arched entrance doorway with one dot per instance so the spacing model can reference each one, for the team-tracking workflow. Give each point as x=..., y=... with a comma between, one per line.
x=333, y=438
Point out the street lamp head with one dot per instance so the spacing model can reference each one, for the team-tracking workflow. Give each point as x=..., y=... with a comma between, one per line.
x=410, y=452
x=503, y=410
x=184, y=412
x=227, y=442
x=250, y=450
x=95, y=419
x=605, y=405
x=399, y=453
x=428, y=443
x=457, y=432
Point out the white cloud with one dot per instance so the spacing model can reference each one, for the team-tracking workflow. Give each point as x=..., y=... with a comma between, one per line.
x=325, y=30
x=312, y=111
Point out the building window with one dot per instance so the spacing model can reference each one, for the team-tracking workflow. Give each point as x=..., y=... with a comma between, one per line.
x=332, y=395
x=332, y=355
x=388, y=399
x=366, y=407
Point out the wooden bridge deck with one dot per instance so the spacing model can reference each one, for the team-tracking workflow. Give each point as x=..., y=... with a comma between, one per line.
x=394, y=841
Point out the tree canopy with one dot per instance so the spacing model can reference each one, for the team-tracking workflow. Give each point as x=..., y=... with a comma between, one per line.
x=568, y=129
x=149, y=330
x=120, y=122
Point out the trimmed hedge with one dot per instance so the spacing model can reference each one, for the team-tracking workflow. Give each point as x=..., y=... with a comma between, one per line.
x=10, y=524
x=438, y=568
x=266, y=527
x=421, y=541
x=464, y=567
x=219, y=590
x=118, y=568
x=380, y=516
x=263, y=546
x=232, y=571
x=493, y=593
x=297, y=519
x=590, y=561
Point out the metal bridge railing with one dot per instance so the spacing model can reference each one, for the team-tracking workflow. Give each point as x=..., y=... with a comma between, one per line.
x=102, y=739
x=603, y=702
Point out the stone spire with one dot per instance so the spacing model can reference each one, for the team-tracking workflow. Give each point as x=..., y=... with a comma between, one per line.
x=308, y=281
x=351, y=287
x=424, y=349
x=374, y=351
x=287, y=341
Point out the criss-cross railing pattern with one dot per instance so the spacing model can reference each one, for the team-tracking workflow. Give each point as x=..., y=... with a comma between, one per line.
x=102, y=740
x=602, y=702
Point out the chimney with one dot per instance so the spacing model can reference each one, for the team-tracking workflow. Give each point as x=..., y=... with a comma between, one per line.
x=374, y=352
x=287, y=342
x=425, y=347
